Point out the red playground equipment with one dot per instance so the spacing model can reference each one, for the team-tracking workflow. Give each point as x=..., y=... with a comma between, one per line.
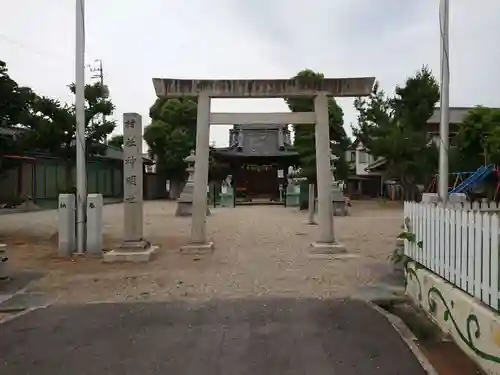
x=463, y=181
x=458, y=177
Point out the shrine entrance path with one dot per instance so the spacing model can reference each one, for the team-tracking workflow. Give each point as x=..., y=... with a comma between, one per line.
x=260, y=251
x=246, y=337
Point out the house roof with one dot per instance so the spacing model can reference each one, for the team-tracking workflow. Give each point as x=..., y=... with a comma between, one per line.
x=376, y=164
x=251, y=127
x=354, y=144
x=457, y=115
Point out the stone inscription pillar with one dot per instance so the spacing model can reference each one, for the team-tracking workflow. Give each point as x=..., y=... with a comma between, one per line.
x=132, y=184
x=198, y=228
x=134, y=247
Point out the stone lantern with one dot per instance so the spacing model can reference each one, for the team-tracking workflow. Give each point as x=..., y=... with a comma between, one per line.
x=338, y=200
x=185, y=201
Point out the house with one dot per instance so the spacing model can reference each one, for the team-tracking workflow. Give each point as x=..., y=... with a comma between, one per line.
x=368, y=173
x=150, y=167
x=364, y=181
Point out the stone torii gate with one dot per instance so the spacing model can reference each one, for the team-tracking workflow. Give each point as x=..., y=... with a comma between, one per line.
x=204, y=90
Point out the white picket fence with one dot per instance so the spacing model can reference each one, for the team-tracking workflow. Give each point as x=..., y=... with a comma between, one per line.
x=482, y=205
x=460, y=245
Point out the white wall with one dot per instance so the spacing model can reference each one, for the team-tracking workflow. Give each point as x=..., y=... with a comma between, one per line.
x=363, y=160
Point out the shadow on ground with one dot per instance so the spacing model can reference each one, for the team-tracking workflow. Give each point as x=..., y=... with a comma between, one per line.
x=268, y=336
x=16, y=282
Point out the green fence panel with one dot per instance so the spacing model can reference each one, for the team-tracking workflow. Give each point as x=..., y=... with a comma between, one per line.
x=40, y=181
x=51, y=190
x=92, y=182
x=61, y=178
x=117, y=183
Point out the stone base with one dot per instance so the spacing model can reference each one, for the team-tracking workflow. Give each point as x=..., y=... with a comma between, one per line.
x=430, y=198
x=186, y=209
x=457, y=198
x=292, y=200
x=327, y=248
x=227, y=200
x=340, y=209
x=136, y=254
x=198, y=248
x=134, y=245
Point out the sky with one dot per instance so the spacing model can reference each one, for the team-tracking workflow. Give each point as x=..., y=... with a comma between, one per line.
x=225, y=39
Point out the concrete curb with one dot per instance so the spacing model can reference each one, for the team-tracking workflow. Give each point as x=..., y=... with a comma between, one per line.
x=21, y=313
x=15, y=315
x=408, y=337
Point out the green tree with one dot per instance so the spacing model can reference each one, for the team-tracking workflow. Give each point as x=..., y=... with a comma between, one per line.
x=116, y=141
x=171, y=136
x=304, y=139
x=395, y=129
x=15, y=102
x=52, y=126
x=478, y=140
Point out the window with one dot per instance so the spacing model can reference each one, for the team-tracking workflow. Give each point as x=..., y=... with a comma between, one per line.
x=363, y=157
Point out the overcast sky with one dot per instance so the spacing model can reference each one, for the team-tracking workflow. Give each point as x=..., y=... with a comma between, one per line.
x=139, y=40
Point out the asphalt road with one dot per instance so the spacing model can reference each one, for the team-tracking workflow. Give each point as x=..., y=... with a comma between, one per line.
x=244, y=337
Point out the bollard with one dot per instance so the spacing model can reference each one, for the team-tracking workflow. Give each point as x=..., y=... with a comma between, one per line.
x=4, y=273
x=66, y=218
x=94, y=224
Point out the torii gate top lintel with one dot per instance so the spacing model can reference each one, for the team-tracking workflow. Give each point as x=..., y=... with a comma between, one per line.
x=262, y=88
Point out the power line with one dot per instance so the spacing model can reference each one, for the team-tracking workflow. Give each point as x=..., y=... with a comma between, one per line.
x=33, y=50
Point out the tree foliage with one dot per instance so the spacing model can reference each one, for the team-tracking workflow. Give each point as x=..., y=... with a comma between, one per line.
x=52, y=124
x=116, y=141
x=477, y=141
x=172, y=134
x=15, y=102
x=304, y=138
x=395, y=129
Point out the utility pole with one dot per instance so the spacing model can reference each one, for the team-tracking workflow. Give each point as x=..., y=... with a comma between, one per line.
x=444, y=128
x=81, y=163
x=98, y=73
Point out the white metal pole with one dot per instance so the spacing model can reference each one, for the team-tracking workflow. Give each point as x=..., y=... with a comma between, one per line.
x=81, y=175
x=444, y=105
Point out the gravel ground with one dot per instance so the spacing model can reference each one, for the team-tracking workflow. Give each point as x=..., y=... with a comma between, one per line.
x=260, y=251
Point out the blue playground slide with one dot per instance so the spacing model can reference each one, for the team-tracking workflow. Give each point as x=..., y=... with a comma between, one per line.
x=479, y=175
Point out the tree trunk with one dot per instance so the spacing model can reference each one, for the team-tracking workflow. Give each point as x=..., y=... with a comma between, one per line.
x=410, y=188
x=176, y=187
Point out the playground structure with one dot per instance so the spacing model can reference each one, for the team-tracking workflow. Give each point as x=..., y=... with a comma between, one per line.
x=465, y=181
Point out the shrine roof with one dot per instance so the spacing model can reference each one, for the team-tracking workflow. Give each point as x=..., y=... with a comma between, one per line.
x=245, y=152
